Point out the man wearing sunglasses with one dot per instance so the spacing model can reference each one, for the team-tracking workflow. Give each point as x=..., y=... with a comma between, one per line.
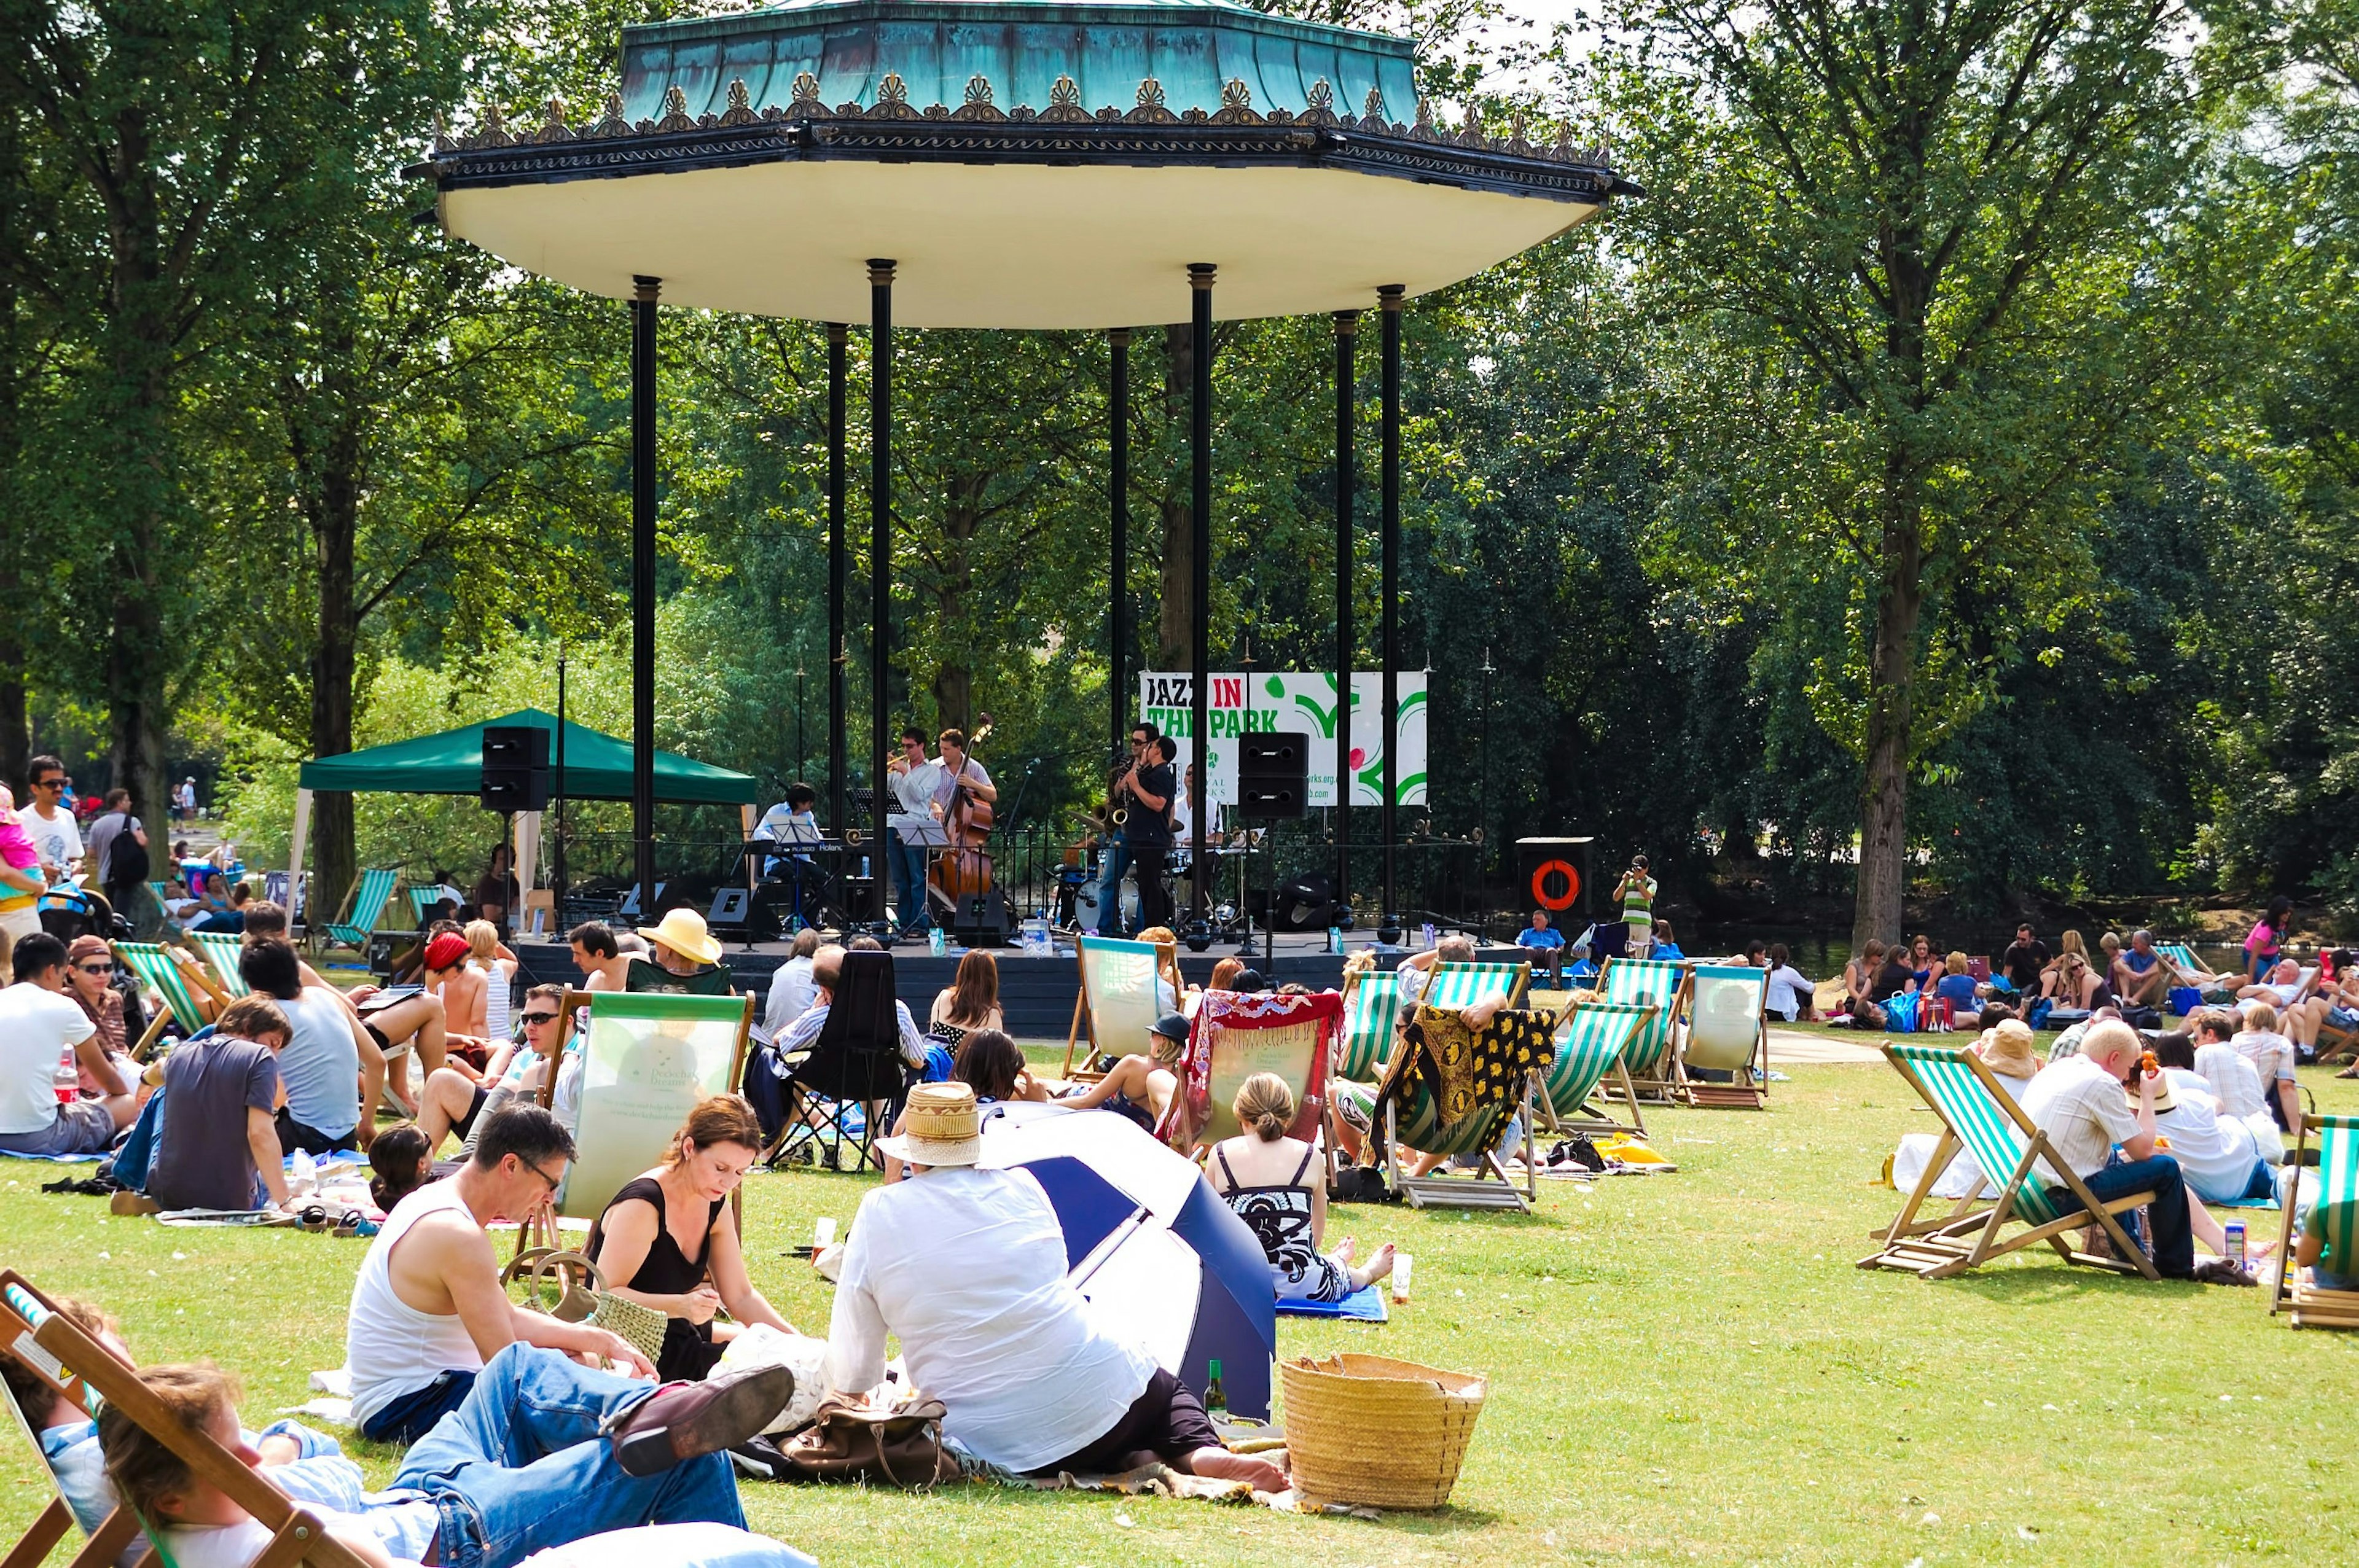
x=452, y=1103
x=52, y=826
x=429, y=1309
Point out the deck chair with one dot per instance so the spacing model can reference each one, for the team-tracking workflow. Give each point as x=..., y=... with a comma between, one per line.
x=1725, y=1030
x=191, y=996
x=1658, y=983
x=372, y=890
x=2338, y=1198
x=1371, y=1014
x=1235, y=1037
x=1588, y=1048
x=1454, y=986
x=1117, y=1000
x=855, y=1063
x=55, y=1349
x=221, y=949
x=423, y=899
x=1978, y=1114
x=1412, y=1115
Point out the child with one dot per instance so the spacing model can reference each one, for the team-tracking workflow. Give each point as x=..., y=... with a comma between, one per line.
x=2338, y=1273
x=403, y=1164
x=1267, y=1179
x=20, y=880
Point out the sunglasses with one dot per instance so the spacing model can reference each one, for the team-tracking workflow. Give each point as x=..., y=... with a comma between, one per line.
x=95, y=969
x=538, y=1017
x=48, y=784
x=536, y=1170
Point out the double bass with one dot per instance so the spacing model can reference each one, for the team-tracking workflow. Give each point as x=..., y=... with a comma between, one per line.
x=964, y=869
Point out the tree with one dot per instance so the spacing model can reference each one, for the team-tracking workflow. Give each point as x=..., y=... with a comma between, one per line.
x=1920, y=239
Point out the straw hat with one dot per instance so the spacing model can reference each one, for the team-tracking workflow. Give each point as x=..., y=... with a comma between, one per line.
x=2164, y=1099
x=941, y=1126
x=2007, y=1050
x=683, y=932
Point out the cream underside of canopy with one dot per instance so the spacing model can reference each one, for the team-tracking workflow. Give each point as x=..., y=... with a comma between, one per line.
x=1003, y=245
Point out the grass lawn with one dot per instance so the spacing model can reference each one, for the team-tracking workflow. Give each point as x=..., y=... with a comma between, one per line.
x=1683, y=1369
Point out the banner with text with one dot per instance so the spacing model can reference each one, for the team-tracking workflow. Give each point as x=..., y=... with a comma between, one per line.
x=1304, y=704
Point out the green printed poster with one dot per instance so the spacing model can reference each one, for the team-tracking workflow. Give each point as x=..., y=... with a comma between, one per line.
x=1304, y=704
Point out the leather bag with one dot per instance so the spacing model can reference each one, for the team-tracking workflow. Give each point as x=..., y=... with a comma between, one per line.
x=897, y=1447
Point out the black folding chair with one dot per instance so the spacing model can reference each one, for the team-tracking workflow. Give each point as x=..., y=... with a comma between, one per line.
x=855, y=1063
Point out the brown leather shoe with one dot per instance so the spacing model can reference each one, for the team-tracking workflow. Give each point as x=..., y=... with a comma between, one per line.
x=681, y=1420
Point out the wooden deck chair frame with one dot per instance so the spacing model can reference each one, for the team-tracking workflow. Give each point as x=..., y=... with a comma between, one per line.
x=199, y=976
x=1733, y=1094
x=2338, y=1179
x=1649, y=1056
x=542, y=1230
x=1167, y=966
x=1973, y=1234
x=1497, y=1189
x=328, y=935
x=55, y=1348
x=1587, y=1113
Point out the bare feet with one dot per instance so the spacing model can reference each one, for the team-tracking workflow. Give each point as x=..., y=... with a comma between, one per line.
x=1343, y=1254
x=1376, y=1268
x=1221, y=1465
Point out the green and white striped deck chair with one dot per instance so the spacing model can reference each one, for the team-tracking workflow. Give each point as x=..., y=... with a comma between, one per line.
x=221, y=949
x=370, y=890
x=1726, y=1030
x=1658, y=983
x=1371, y=1014
x=1591, y=1045
x=421, y=900
x=191, y=998
x=2338, y=1210
x=1455, y=986
x=1413, y=1121
x=54, y=1347
x=1978, y=1114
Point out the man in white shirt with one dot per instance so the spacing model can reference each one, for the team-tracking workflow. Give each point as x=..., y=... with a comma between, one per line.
x=827, y=973
x=39, y=1024
x=49, y=824
x=913, y=782
x=792, y=990
x=2080, y=1104
x=967, y=1267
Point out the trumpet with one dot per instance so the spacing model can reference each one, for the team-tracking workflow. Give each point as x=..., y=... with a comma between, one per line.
x=1118, y=816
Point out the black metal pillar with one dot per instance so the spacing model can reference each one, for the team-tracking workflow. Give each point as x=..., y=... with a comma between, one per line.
x=1118, y=575
x=880, y=560
x=1389, y=300
x=838, y=569
x=643, y=588
x=1347, y=336
x=557, y=894
x=1200, y=588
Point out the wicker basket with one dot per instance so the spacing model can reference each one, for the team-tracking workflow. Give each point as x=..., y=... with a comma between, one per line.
x=1367, y=1428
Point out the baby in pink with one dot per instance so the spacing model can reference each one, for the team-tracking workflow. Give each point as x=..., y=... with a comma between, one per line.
x=16, y=851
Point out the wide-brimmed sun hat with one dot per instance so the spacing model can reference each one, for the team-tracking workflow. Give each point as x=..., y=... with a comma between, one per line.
x=941, y=1126
x=2008, y=1052
x=684, y=933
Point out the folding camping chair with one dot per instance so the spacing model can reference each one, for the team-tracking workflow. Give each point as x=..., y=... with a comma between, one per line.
x=1978, y=1114
x=1658, y=983
x=1235, y=1037
x=854, y=1064
x=2338, y=1198
x=54, y=1348
x=1371, y=1014
x=221, y=949
x=1455, y=986
x=190, y=994
x=1595, y=1035
x=649, y=1059
x=1411, y=1113
x=1118, y=999
x=1725, y=1030
x=362, y=909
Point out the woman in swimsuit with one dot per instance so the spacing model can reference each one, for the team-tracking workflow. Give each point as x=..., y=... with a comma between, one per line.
x=1277, y=1186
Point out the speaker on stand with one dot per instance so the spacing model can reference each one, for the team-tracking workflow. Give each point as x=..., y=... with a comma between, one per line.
x=1273, y=786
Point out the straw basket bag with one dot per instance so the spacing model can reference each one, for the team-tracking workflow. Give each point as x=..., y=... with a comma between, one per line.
x=1367, y=1428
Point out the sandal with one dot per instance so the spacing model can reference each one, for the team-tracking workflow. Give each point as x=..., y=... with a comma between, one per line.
x=313, y=1216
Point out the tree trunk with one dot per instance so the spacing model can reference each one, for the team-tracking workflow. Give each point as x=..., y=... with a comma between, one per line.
x=1175, y=627
x=335, y=524
x=16, y=723
x=1891, y=720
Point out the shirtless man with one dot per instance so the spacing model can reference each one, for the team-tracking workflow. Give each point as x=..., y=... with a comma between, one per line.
x=427, y=1309
x=599, y=956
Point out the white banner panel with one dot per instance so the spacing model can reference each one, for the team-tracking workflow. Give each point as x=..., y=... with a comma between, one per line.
x=1304, y=704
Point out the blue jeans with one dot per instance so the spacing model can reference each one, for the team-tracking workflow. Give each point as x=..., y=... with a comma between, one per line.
x=908, y=883
x=415, y=1414
x=2174, y=1243
x=521, y=1466
x=1116, y=861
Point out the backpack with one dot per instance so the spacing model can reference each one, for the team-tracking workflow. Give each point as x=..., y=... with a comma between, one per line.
x=126, y=857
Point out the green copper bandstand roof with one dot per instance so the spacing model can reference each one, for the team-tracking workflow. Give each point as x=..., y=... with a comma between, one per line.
x=1026, y=164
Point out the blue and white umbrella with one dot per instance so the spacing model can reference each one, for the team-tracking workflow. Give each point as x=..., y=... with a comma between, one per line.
x=1157, y=1252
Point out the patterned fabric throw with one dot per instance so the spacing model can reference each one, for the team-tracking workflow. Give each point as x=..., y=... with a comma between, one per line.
x=1465, y=1071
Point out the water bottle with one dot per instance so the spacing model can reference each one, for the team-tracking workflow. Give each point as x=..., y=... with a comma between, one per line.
x=935, y=942
x=1334, y=939
x=2235, y=1241
x=67, y=1079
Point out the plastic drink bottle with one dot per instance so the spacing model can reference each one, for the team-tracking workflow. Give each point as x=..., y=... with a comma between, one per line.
x=2235, y=1241
x=67, y=1079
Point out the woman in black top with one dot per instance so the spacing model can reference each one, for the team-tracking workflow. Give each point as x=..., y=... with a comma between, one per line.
x=665, y=1240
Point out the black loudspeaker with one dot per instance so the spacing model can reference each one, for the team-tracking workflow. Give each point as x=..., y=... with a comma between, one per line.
x=1273, y=774
x=516, y=768
x=1307, y=903
x=1556, y=874
x=980, y=920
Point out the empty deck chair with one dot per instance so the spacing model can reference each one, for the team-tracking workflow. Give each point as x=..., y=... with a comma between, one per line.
x=1658, y=983
x=1725, y=1030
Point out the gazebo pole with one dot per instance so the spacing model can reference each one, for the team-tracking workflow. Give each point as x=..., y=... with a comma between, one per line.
x=1347, y=332
x=1199, y=683
x=837, y=335
x=1118, y=576
x=1389, y=301
x=880, y=561
x=643, y=586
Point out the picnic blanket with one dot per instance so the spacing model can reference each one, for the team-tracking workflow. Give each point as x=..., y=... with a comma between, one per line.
x=1369, y=1303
